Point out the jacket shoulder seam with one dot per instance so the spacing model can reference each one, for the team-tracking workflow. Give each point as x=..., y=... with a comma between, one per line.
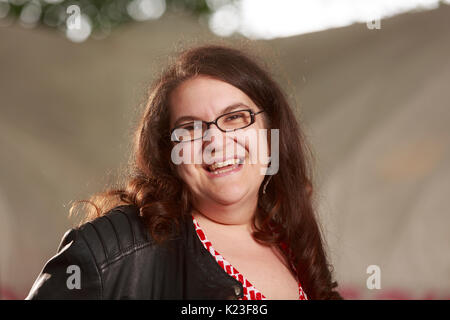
x=115, y=232
x=99, y=236
x=130, y=250
x=96, y=264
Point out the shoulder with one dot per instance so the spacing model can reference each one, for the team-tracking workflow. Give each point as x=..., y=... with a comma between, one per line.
x=87, y=251
x=118, y=232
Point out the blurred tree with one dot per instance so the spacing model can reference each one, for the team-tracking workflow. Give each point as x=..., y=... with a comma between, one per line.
x=101, y=15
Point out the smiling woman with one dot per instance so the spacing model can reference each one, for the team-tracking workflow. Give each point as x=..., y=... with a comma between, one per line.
x=210, y=230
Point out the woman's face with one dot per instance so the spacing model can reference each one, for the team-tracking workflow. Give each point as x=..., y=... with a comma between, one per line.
x=205, y=98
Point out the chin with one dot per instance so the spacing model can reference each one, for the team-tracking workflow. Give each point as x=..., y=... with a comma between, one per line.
x=228, y=196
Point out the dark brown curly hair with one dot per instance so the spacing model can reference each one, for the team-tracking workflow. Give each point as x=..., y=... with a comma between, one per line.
x=153, y=185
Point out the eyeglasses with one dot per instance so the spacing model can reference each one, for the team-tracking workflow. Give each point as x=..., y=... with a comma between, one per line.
x=227, y=122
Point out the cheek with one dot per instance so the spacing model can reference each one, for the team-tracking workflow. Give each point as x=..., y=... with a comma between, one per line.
x=189, y=153
x=257, y=146
x=190, y=174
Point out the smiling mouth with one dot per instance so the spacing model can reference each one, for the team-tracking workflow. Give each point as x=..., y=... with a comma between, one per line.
x=225, y=166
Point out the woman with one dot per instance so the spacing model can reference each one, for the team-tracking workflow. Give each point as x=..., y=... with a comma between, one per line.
x=221, y=228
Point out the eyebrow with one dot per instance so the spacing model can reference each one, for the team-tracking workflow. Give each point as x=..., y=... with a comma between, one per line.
x=225, y=110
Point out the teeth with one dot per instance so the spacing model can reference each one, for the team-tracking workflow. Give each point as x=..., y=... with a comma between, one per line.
x=223, y=164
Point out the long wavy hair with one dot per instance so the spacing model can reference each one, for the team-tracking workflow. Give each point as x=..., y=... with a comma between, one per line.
x=285, y=209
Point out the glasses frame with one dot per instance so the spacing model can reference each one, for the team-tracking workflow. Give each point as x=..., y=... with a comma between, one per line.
x=209, y=123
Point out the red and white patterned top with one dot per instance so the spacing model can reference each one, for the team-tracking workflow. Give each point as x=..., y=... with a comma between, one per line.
x=250, y=292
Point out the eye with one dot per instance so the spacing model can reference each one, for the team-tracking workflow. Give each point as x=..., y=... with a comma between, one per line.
x=192, y=126
x=233, y=117
x=188, y=127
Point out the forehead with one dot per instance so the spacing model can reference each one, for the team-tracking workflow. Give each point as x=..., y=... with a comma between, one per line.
x=204, y=98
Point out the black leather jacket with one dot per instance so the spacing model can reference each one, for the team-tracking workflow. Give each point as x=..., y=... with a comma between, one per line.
x=117, y=259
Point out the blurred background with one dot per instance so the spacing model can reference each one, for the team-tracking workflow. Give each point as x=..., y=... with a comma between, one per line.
x=369, y=79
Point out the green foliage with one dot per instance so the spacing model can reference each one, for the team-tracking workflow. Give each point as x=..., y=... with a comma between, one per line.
x=104, y=15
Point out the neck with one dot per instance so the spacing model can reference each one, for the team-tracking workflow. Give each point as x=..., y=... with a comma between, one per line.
x=235, y=218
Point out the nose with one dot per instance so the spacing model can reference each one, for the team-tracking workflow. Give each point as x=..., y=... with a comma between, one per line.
x=212, y=133
x=216, y=141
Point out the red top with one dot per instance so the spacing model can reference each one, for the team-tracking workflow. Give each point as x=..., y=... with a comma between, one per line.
x=250, y=292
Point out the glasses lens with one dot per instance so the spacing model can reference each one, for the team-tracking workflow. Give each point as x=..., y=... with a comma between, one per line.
x=234, y=120
x=189, y=131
